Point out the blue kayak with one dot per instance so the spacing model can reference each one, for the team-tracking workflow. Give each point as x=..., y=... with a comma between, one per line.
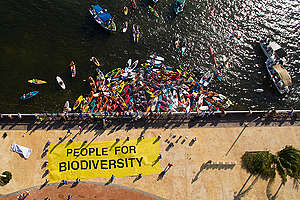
x=29, y=95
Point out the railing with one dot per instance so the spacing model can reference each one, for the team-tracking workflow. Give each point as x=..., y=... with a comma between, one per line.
x=146, y=114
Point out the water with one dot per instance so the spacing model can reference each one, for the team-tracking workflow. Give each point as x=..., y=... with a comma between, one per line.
x=39, y=39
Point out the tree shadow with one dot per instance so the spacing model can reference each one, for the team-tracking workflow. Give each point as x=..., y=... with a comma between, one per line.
x=242, y=194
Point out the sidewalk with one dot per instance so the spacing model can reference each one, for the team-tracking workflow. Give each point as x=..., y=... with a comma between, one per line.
x=186, y=179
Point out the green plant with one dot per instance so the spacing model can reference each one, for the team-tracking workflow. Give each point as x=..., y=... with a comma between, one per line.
x=259, y=163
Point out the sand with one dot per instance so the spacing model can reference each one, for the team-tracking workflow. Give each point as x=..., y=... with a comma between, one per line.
x=185, y=180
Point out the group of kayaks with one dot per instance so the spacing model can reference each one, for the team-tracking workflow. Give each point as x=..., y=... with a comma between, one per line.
x=58, y=79
x=150, y=87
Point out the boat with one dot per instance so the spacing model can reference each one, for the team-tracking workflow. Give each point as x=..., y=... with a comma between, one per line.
x=153, y=11
x=73, y=68
x=95, y=61
x=103, y=18
x=271, y=48
x=36, y=81
x=60, y=82
x=125, y=27
x=278, y=75
x=78, y=102
x=29, y=95
x=178, y=6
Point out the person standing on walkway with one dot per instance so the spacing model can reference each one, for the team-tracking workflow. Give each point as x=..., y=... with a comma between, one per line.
x=69, y=197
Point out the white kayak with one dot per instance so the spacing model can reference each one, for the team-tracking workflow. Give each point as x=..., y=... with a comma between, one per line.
x=128, y=65
x=67, y=106
x=133, y=66
x=155, y=57
x=154, y=62
x=60, y=82
x=125, y=27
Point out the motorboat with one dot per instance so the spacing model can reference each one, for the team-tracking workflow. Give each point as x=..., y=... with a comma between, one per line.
x=278, y=75
x=178, y=6
x=271, y=48
x=103, y=18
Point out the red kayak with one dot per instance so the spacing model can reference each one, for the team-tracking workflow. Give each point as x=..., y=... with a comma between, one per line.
x=133, y=3
x=214, y=57
x=73, y=68
x=216, y=71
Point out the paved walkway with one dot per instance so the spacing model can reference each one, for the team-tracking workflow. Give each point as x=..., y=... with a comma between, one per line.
x=186, y=180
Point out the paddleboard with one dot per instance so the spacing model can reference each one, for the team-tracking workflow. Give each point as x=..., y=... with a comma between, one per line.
x=60, y=82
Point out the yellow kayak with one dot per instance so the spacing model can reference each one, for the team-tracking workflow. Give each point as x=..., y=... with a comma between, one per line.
x=36, y=81
x=125, y=10
x=95, y=61
x=78, y=102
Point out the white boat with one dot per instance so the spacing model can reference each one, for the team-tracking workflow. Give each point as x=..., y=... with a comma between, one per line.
x=60, y=82
x=271, y=48
x=279, y=75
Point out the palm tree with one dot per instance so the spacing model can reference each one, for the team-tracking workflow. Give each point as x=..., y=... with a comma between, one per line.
x=287, y=164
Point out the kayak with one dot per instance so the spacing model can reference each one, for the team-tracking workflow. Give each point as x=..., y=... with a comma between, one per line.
x=78, y=102
x=60, y=82
x=29, y=95
x=112, y=73
x=128, y=65
x=153, y=11
x=137, y=34
x=125, y=9
x=125, y=27
x=214, y=57
x=216, y=71
x=155, y=57
x=36, y=81
x=134, y=33
x=95, y=61
x=92, y=82
x=133, y=66
x=73, y=68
